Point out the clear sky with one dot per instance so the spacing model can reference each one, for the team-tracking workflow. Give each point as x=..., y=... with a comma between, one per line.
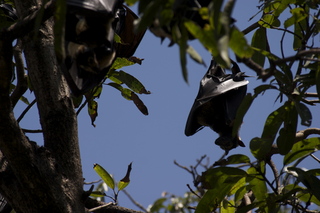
x=123, y=134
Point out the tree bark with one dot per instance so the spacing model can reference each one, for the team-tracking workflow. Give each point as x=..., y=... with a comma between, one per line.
x=49, y=178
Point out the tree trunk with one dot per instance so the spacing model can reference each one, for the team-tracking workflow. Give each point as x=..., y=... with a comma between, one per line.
x=49, y=178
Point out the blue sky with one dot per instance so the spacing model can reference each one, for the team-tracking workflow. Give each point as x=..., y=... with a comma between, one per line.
x=123, y=134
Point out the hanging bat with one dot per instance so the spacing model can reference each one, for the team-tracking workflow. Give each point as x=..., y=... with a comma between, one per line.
x=216, y=104
x=91, y=50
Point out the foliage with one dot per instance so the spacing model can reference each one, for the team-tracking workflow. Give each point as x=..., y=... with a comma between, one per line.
x=235, y=183
x=110, y=182
x=227, y=187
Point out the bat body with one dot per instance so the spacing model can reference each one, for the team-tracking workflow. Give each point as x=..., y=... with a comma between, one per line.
x=216, y=104
x=91, y=50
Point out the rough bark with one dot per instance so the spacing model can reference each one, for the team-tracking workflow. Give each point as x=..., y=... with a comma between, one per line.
x=49, y=178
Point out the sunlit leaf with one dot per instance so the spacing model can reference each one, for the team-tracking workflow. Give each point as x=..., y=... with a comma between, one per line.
x=269, y=20
x=239, y=44
x=194, y=55
x=93, y=111
x=124, y=182
x=133, y=83
x=302, y=149
x=205, y=36
x=257, y=183
x=287, y=134
x=105, y=176
x=121, y=62
x=97, y=194
x=237, y=159
x=298, y=14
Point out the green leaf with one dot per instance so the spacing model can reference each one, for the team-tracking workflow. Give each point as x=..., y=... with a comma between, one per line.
x=304, y=113
x=158, y=205
x=237, y=159
x=302, y=149
x=242, y=110
x=97, y=194
x=269, y=20
x=287, y=134
x=309, y=180
x=134, y=84
x=257, y=183
x=124, y=182
x=130, y=95
x=260, y=147
x=205, y=36
x=93, y=111
x=182, y=41
x=221, y=182
x=259, y=40
x=121, y=62
x=194, y=55
x=105, y=176
x=239, y=45
x=273, y=123
x=298, y=14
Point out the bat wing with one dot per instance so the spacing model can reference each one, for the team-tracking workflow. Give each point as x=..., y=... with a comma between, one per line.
x=216, y=83
x=93, y=7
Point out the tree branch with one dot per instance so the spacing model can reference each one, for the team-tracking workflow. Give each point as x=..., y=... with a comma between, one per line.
x=27, y=24
x=22, y=84
x=91, y=203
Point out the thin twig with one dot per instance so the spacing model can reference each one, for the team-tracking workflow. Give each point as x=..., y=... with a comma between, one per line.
x=26, y=110
x=314, y=157
x=134, y=201
x=192, y=191
x=32, y=130
x=100, y=207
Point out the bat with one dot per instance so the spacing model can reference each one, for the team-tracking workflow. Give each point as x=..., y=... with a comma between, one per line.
x=91, y=50
x=216, y=104
x=9, y=11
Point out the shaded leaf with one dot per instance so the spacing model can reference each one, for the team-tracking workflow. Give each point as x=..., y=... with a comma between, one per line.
x=140, y=105
x=259, y=40
x=260, y=147
x=105, y=176
x=124, y=182
x=302, y=149
x=309, y=180
x=97, y=194
x=287, y=134
x=304, y=113
x=242, y=110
